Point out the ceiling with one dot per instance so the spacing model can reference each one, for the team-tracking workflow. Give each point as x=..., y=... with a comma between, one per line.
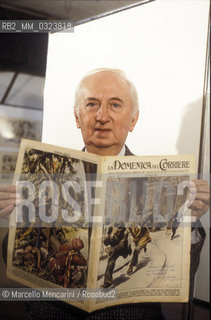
x=23, y=55
x=27, y=53
x=78, y=11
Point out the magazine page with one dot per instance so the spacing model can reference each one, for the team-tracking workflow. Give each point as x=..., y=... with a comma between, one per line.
x=50, y=231
x=143, y=247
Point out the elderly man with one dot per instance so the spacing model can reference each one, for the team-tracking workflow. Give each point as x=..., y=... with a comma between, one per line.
x=106, y=109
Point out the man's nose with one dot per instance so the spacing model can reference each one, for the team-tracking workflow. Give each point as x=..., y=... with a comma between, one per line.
x=102, y=114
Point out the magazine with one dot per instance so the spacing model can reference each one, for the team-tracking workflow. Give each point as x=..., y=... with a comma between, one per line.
x=115, y=225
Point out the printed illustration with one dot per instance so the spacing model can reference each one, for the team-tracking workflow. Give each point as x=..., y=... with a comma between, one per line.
x=7, y=166
x=17, y=128
x=56, y=252
x=137, y=250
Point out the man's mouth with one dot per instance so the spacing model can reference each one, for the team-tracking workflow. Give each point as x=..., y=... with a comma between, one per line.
x=102, y=131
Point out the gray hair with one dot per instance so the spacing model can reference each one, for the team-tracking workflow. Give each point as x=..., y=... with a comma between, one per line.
x=120, y=73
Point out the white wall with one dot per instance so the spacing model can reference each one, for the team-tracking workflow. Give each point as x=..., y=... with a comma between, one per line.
x=162, y=47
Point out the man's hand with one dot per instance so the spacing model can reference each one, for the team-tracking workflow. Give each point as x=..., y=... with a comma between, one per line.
x=199, y=197
x=8, y=199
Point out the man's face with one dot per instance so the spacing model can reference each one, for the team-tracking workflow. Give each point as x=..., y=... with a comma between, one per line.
x=105, y=113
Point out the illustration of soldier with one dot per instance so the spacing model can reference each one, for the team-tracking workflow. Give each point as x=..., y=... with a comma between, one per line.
x=47, y=253
x=141, y=237
x=173, y=225
x=33, y=245
x=69, y=265
x=117, y=239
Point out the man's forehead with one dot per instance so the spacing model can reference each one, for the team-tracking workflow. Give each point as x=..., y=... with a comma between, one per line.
x=104, y=76
x=106, y=82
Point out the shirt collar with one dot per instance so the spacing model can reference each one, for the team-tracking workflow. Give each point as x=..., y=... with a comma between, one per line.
x=122, y=152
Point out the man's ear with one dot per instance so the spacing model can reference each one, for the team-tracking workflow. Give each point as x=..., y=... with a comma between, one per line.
x=133, y=121
x=77, y=119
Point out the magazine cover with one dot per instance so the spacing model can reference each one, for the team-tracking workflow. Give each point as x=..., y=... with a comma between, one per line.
x=144, y=244
x=117, y=224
